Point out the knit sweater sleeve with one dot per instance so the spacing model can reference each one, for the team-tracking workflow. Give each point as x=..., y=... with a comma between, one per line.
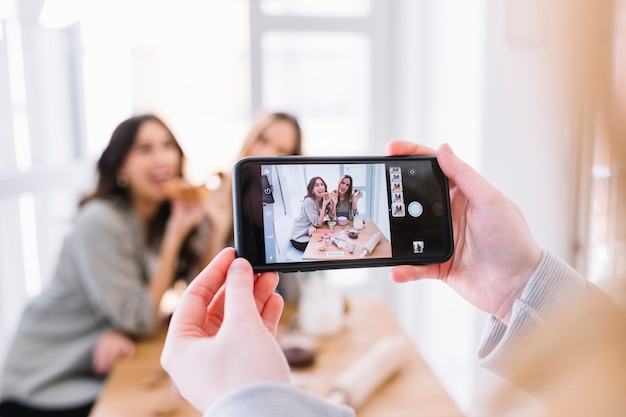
x=271, y=399
x=109, y=260
x=553, y=289
x=309, y=216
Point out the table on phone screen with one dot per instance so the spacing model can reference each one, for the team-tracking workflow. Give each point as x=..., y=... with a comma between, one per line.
x=138, y=386
x=317, y=250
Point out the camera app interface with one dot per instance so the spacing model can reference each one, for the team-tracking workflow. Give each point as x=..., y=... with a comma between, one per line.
x=352, y=211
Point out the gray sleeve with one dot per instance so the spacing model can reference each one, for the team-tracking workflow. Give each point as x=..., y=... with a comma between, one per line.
x=312, y=211
x=553, y=288
x=272, y=399
x=309, y=215
x=109, y=257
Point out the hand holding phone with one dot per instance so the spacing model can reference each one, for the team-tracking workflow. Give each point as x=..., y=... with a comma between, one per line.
x=495, y=252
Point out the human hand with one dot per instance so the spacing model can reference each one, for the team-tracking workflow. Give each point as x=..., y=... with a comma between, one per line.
x=110, y=346
x=494, y=250
x=312, y=229
x=334, y=197
x=185, y=215
x=218, y=204
x=222, y=334
x=327, y=199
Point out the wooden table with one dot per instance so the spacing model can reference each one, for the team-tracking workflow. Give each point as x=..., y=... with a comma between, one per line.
x=318, y=251
x=138, y=386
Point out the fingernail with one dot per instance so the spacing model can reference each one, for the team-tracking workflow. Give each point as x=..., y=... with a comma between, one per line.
x=447, y=148
x=238, y=265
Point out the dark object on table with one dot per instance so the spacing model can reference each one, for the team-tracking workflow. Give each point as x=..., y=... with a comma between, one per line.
x=299, y=357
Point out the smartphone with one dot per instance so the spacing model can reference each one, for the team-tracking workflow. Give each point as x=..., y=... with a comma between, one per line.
x=298, y=213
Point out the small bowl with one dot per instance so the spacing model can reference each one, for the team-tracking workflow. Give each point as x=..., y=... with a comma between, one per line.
x=331, y=224
x=342, y=220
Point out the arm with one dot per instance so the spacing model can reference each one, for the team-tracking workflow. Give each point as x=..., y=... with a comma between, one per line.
x=495, y=252
x=219, y=211
x=271, y=399
x=184, y=217
x=312, y=210
x=221, y=350
x=109, y=259
x=107, y=249
x=549, y=326
x=111, y=346
x=355, y=199
x=557, y=306
x=332, y=205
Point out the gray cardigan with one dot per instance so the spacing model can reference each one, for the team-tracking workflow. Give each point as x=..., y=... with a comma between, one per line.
x=309, y=216
x=99, y=283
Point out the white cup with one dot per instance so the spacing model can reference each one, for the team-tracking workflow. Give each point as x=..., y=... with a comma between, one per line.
x=321, y=308
x=357, y=223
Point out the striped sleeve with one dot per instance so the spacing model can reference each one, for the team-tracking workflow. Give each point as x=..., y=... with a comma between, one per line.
x=275, y=400
x=553, y=288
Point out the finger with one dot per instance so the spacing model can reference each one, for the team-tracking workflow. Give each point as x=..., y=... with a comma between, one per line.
x=264, y=287
x=402, y=147
x=215, y=312
x=478, y=191
x=240, y=306
x=406, y=273
x=191, y=313
x=129, y=350
x=272, y=311
x=97, y=362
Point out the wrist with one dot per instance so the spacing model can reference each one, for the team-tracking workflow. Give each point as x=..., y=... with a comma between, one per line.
x=515, y=284
x=171, y=241
x=553, y=287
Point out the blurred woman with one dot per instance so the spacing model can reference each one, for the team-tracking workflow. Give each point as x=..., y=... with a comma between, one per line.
x=315, y=207
x=128, y=245
x=271, y=134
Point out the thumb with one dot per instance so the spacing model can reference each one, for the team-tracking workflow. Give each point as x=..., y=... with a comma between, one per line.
x=474, y=186
x=240, y=306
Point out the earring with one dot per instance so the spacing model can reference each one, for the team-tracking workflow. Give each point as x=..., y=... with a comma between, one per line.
x=122, y=181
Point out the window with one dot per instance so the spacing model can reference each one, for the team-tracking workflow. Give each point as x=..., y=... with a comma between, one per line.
x=75, y=72
x=72, y=77
x=315, y=59
x=324, y=78
x=324, y=8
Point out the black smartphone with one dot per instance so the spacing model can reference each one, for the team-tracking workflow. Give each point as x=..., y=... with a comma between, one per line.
x=297, y=213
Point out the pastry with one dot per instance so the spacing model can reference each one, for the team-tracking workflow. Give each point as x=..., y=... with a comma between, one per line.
x=179, y=188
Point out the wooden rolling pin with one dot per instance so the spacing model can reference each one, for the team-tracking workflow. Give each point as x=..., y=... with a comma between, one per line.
x=360, y=380
x=368, y=248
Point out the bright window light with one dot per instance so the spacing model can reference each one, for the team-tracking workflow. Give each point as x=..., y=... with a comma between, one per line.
x=57, y=14
x=29, y=245
x=18, y=97
x=326, y=8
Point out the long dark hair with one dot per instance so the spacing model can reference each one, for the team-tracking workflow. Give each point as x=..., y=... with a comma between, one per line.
x=122, y=140
x=349, y=192
x=311, y=185
x=114, y=155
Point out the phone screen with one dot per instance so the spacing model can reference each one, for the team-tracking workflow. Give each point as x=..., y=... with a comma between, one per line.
x=307, y=213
